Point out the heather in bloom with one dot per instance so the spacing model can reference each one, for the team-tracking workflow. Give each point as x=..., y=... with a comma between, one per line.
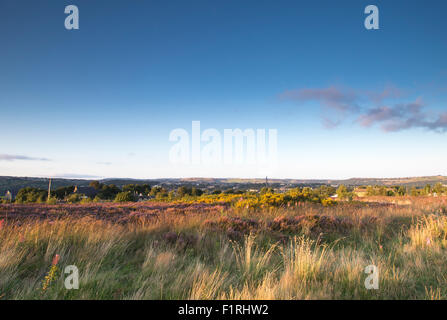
x=192, y=250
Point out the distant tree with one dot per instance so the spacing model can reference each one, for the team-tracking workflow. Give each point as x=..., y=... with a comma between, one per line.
x=138, y=188
x=414, y=191
x=383, y=191
x=342, y=192
x=370, y=191
x=390, y=193
x=144, y=189
x=325, y=191
x=31, y=195
x=126, y=196
x=184, y=191
x=63, y=192
x=130, y=188
x=95, y=184
x=74, y=198
x=163, y=194
x=196, y=192
x=438, y=188
x=156, y=190
x=401, y=191
x=108, y=192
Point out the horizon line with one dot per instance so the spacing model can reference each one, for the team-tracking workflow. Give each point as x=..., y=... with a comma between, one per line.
x=87, y=178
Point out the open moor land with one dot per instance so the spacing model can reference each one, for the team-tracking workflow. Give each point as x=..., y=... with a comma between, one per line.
x=174, y=250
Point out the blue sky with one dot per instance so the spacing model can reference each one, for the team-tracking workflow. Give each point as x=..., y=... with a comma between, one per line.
x=101, y=101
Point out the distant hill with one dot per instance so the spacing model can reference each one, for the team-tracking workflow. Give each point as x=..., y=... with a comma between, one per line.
x=409, y=181
x=14, y=184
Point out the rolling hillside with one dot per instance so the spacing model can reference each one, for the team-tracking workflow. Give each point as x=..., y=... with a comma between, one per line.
x=14, y=184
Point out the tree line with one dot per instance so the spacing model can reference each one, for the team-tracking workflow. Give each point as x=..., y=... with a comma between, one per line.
x=133, y=192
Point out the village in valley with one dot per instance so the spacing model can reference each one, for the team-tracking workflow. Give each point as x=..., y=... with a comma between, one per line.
x=40, y=190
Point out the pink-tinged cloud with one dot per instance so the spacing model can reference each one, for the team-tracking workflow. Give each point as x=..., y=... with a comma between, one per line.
x=389, y=92
x=390, y=117
x=393, y=118
x=332, y=97
x=403, y=116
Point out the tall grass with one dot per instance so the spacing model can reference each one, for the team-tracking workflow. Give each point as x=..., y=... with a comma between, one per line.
x=428, y=232
x=247, y=255
x=252, y=260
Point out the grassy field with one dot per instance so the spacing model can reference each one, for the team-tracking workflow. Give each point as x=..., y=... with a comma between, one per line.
x=212, y=251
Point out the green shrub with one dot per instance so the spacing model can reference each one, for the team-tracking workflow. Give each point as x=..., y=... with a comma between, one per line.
x=31, y=195
x=75, y=198
x=108, y=192
x=126, y=196
x=86, y=201
x=52, y=200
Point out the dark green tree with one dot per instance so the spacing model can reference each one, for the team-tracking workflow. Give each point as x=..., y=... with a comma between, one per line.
x=126, y=196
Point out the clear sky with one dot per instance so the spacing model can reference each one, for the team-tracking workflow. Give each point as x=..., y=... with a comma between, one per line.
x=101, y=101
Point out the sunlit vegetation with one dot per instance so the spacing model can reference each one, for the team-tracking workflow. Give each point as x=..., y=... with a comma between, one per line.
x=100, y=192
x=192, y=249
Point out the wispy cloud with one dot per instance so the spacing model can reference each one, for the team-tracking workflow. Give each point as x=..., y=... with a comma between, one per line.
x=394, y=117
x=404, y=116
x=329, y=123
x=389, y=92
x=369, y=108
x=10, y=157
x=332, y=97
